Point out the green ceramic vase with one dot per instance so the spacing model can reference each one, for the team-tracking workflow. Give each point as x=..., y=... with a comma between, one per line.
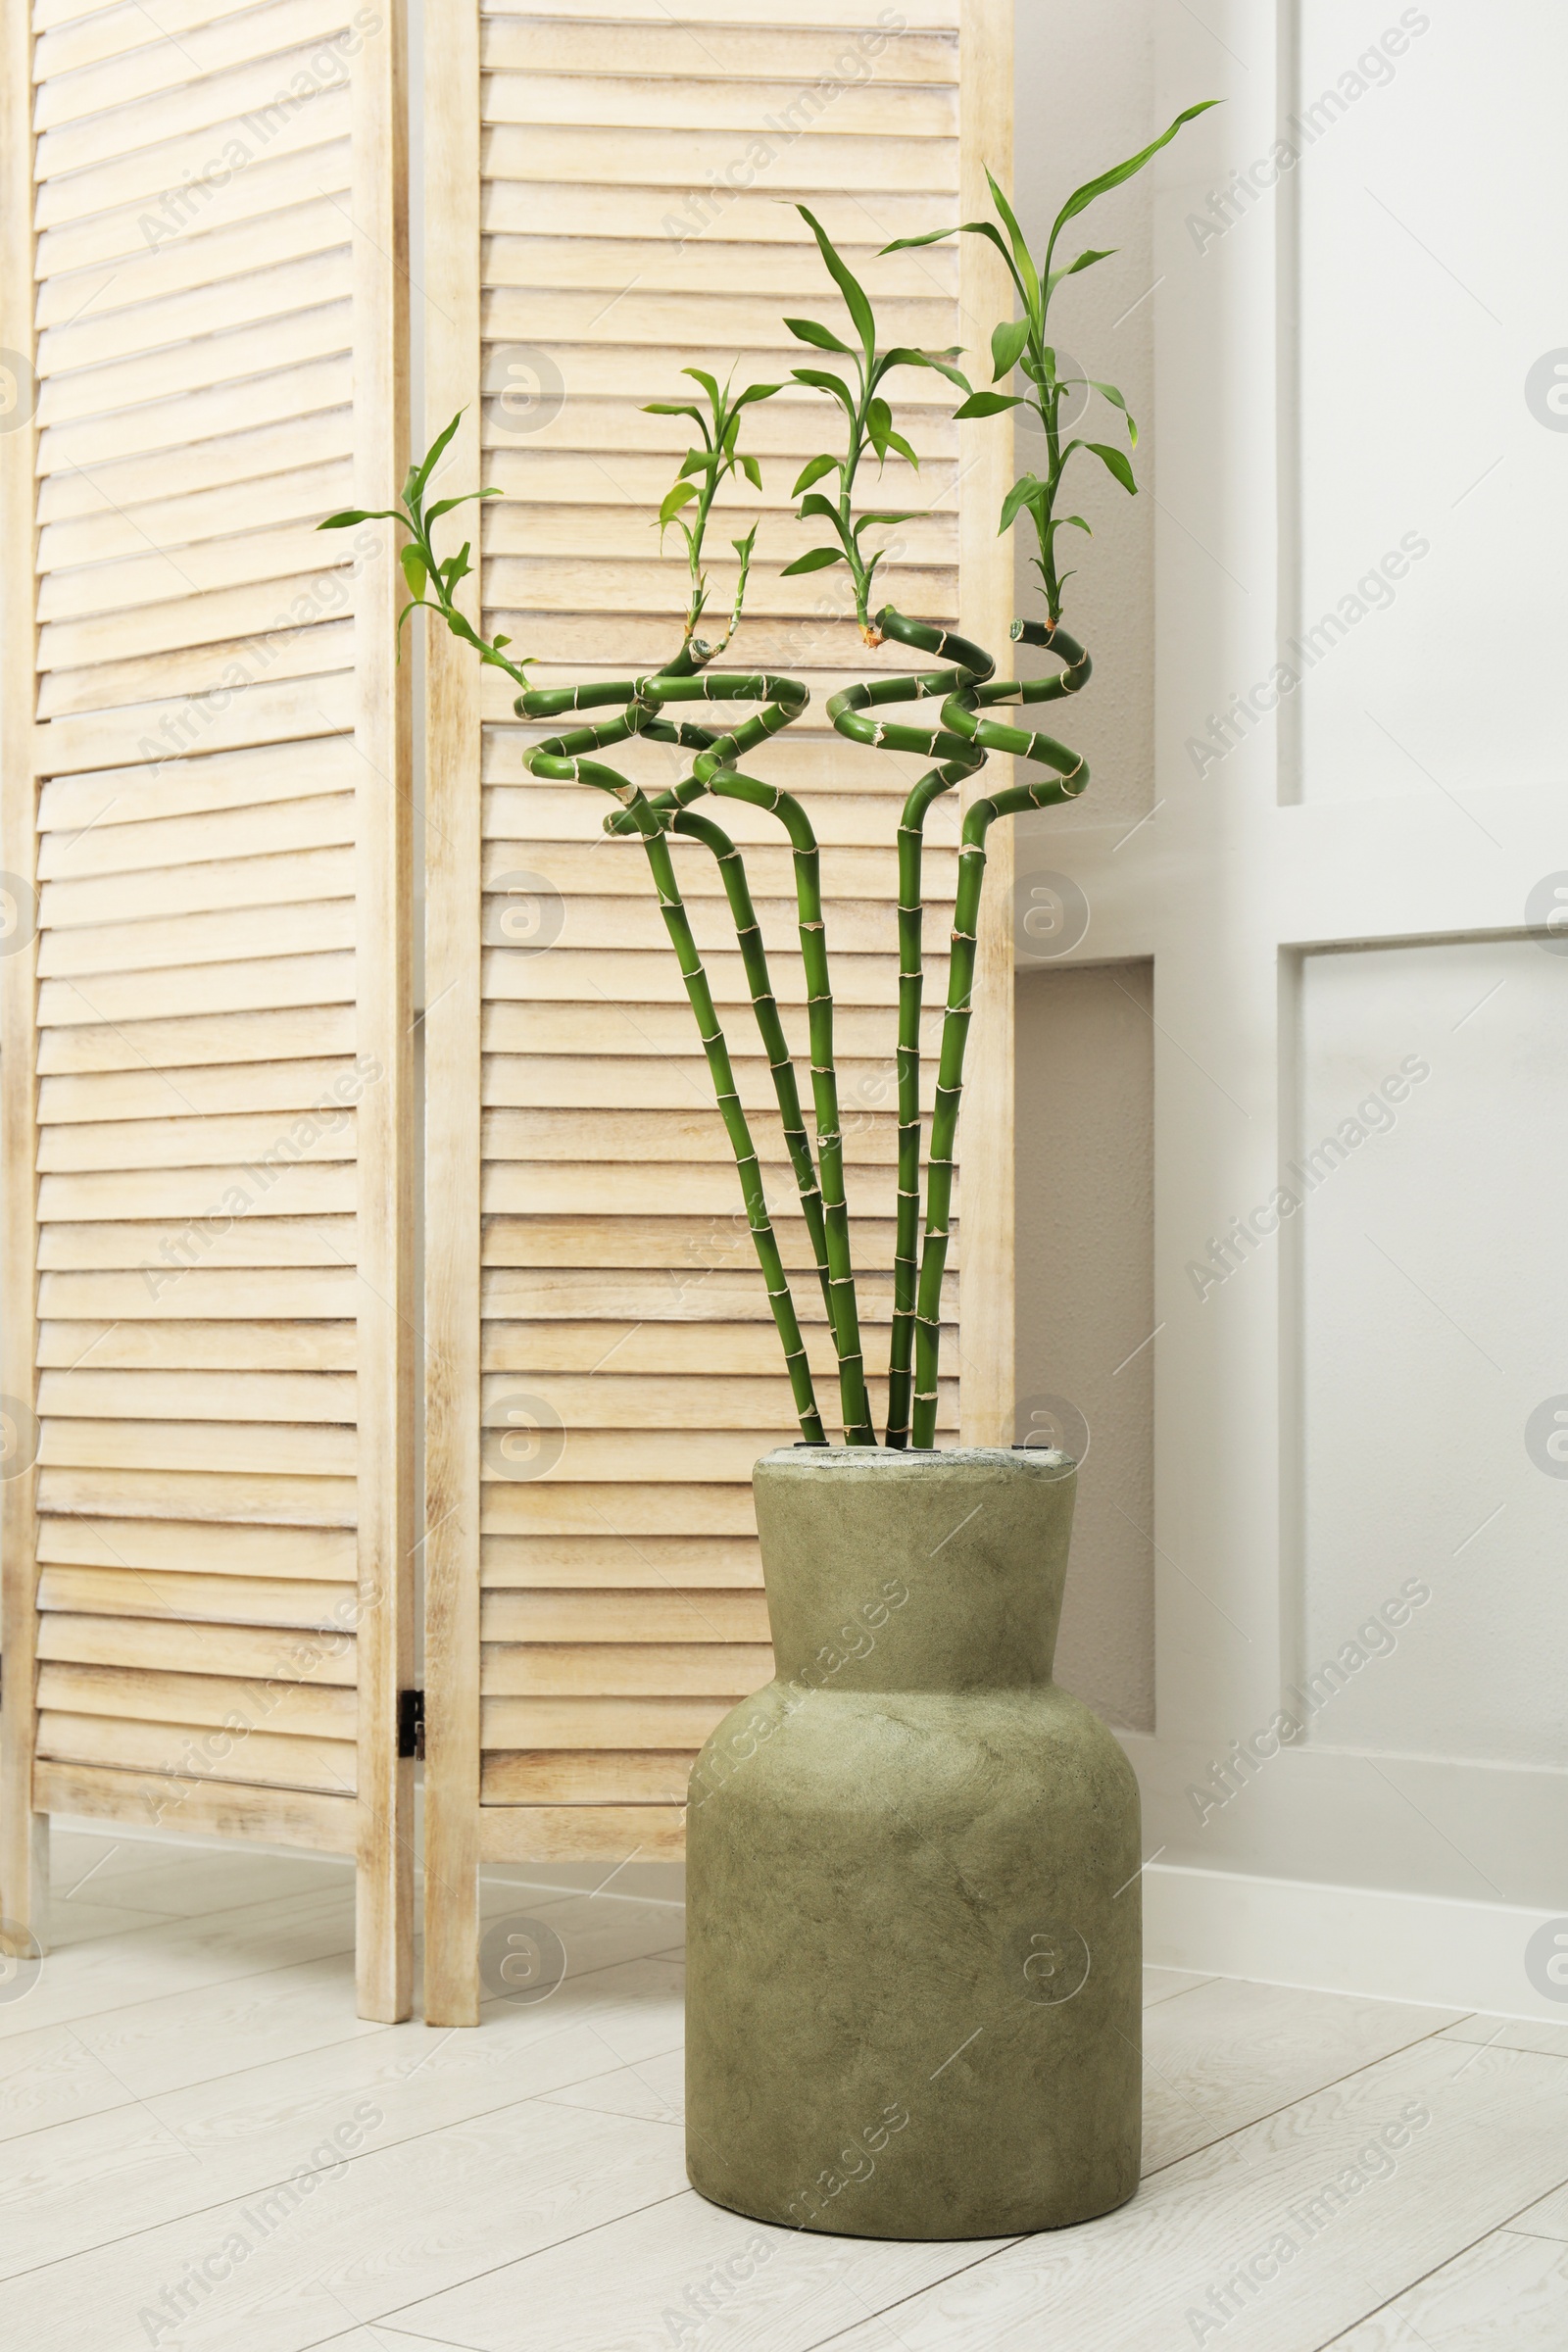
x=913, y=2000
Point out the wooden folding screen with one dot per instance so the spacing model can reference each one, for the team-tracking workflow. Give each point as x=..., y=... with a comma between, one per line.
x=207, y=1296
x=610, y=197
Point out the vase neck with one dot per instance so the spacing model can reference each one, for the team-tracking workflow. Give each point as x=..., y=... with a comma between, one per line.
x=889, y=1570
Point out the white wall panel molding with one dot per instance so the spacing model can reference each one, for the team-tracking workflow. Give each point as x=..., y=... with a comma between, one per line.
x=1408, y=862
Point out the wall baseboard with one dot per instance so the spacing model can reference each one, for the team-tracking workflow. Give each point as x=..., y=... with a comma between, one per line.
x=1394, y=1948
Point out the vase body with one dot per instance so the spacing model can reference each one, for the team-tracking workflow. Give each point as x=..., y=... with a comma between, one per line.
x=914, y=1991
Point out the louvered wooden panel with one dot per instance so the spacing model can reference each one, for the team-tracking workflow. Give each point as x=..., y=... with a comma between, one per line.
x=207, y=1043
x=594, y=1609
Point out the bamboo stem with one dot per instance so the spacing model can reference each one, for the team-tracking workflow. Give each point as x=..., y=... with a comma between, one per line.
x=764, y=1004
x=727, y=783
x=958, y=757
x=986, y=735
x=562, y=759
x=713, y=771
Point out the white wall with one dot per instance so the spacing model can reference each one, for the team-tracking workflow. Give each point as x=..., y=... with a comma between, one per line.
x=1435, y=1307
x=1085, y=1065
x=1356, y=353
x=1431, y=275
x=1084, y=99
x=1086, y=1293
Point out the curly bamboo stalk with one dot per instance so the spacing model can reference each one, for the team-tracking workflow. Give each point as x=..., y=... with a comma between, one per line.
x=823, y=1199
x=562, y=758
x=960, y=712
x=958, y=759
x=843, y=1309
x=764, y=1004
x=713, y=771
x=958, y=747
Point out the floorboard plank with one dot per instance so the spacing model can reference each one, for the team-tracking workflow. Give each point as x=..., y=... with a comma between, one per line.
x=205, y=2148
x=163, y=2160
x=329, y=2247
x=1512, y=2033
x=1168, y=2270
x=686, y=2272
x=166, y=1956
x=1507, y=2294
x=1228, y=2054
x=1163, y=1984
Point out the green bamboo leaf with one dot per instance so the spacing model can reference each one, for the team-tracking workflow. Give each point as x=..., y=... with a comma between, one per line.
x=757, y=392
x=681, y=495
x=908, y=516
x=353, y=514
x=812, y=472
x=1025, y=490
x=498, y=642
x=1007, y=343
x=1085, y=260
x=1082, y=198
x=932, y=236
x=697, y=461
x=444, y=506
x=1110, y=393
x=814, y=504
x=1078, y=523
x=709, y=383
x=415, y=570
x=896, y=441
x=751, y=470
x=743, y=547
x=849, y=285
x=1023, y=259
x=879, y=424
x=817, y=561
x=821, y=383
x=807, y=330
x=906, y=357
x=488, y=652
x=987, y=404
x=1114, y=461
x=418, y=475
x=970, y=228
x=675, y=408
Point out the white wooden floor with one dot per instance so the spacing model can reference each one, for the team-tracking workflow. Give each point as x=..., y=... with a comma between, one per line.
x=201, y=2146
